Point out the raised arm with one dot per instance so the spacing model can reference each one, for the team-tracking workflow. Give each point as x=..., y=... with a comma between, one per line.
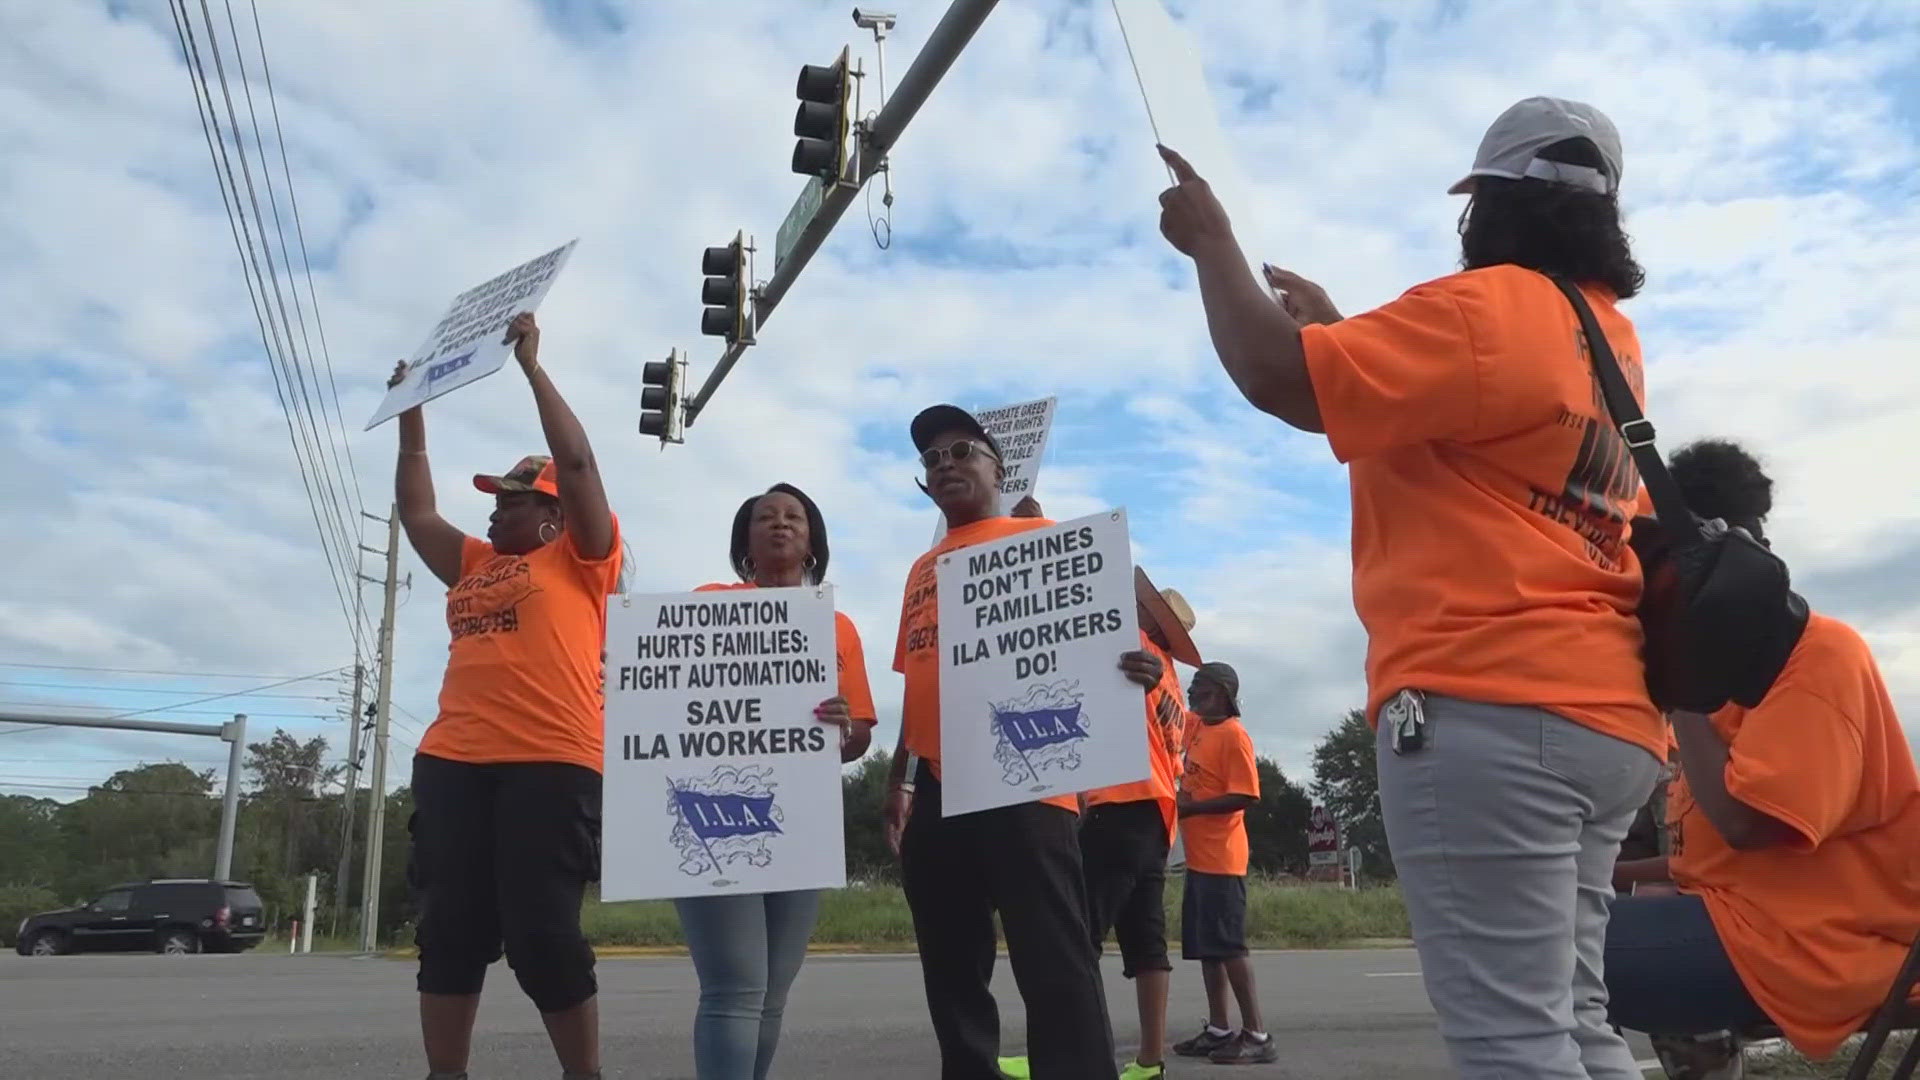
x=434, y=539
x=583, y=498
x=1258, y=340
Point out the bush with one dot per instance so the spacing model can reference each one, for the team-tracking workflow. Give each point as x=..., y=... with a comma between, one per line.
x=19, y=901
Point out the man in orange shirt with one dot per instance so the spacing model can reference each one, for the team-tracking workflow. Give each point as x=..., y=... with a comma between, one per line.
x=1022, y=861
x=1794, y=827
x=1221, y=781
x=1491, y=496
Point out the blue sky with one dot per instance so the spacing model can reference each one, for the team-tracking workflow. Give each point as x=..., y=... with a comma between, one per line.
x=1771, y=157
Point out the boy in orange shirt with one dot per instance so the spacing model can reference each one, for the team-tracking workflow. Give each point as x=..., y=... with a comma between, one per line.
x=1022, y=861
x=1794, y=826
x=1221, y=782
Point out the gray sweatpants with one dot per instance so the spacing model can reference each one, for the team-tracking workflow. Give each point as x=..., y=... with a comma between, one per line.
x=1504, y=828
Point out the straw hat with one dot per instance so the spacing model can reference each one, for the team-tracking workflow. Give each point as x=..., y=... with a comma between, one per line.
x=1171, y=613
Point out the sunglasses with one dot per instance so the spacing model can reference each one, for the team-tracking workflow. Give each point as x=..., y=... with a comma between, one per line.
x=959, y=451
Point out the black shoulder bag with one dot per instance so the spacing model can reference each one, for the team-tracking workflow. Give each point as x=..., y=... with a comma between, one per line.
x=1717, y=607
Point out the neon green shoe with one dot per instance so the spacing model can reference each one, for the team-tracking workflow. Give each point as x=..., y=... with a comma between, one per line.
x=1137, y=1071
x=1016, y=1068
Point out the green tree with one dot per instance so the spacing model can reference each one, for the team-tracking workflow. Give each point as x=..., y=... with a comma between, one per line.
x=31, y=851
x=151, y=821
x=863, y=793
x=1277, y=824
x=1346, y=782
x=288, y=826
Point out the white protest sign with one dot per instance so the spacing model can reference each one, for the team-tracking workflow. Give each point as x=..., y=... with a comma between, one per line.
x=1032, y=700
x=1181, y=114
x=465, y=346
x=1022, y=431
x=718, y=778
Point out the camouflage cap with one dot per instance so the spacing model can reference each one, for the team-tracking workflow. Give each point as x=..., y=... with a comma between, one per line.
x=534, y=472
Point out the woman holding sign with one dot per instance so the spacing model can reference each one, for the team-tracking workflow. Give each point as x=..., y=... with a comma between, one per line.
x=506, y=786
x=748, y=948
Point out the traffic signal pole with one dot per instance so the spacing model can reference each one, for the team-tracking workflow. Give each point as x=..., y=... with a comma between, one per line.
x=943, y=47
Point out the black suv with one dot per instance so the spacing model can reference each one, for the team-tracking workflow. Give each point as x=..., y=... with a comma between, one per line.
x=173, y=915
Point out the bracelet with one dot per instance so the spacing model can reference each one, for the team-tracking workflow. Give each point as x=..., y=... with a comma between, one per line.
x=904, y=787
x=414, y=453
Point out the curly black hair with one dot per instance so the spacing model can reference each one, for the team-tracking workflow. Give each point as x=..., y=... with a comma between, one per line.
x=1551, y=227
x=816, y=533
x=1721, y=480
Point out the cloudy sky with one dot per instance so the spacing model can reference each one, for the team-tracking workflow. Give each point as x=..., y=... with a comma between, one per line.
x=159, y=523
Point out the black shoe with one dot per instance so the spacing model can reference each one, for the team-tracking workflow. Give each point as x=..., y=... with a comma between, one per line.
x=1244, y=1049
x=1203, y=1044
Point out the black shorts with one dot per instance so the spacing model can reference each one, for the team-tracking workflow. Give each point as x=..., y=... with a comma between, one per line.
x=1123, y=847
x=1213, y=917
x=502, y=855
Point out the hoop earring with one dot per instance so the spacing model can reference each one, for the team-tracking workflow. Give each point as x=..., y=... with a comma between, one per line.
x=746, y=567
x=544, y=526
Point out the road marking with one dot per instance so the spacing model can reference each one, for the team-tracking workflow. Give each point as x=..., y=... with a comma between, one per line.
x=1392, y=974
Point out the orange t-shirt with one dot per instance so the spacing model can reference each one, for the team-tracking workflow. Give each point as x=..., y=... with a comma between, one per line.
x=524, y=675
x=916, y=652
x=849, y=658
x=1166, y=741
x=1491, y=498
x=1219, y=762
x=1818, y=927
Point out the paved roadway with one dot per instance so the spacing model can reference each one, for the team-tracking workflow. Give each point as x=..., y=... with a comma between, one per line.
x=1357, y=1014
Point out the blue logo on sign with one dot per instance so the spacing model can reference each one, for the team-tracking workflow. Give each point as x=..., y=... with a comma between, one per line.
x=725, y=817
x=447, y=367
x=1040, y=732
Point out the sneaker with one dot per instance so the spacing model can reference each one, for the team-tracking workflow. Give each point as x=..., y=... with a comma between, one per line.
x=1244, y=1049
x=1203, y=1044
x=1016, y=1068
x=1137, y=1071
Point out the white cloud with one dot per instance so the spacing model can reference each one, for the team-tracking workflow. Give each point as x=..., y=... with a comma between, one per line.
x=158, y=520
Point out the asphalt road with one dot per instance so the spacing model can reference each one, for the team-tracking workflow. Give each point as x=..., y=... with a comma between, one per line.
x=1349, y=1014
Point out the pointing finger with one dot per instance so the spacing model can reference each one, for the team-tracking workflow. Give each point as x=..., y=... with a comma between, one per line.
x=1182, y=171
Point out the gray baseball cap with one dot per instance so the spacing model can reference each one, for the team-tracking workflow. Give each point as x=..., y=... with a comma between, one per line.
x=1511, y=147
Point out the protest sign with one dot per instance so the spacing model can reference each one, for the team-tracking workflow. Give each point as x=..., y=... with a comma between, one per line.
x=1022, y=431
x=466, y=345
x=718, y=778
x=1032, y=700
x=1181, y=113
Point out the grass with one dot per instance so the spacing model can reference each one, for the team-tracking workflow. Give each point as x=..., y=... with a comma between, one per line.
x=873, y=917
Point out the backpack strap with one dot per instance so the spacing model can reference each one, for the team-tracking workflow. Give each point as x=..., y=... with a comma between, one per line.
x=1669, y=504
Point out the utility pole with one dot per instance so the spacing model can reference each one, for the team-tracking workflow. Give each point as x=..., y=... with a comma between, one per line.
x=377, y=787
x=353, y=795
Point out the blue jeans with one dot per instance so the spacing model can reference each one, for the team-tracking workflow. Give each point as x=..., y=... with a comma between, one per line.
x=747, y=950
x=1669, y=974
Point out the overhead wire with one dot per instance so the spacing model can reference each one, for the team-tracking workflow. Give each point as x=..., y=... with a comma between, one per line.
x=339, y=547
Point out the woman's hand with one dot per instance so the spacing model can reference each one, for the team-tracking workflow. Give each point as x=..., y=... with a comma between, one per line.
x=1191, y=217
x=1307, y=302
x=1142, y=667
x=399, y=375
x=834, y=711
x=898, y=807
x=524, y=335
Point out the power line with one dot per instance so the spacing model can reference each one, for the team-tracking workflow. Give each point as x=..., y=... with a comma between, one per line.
x=6, y=683
x=51, y=706
x=156, y=671
x=336, y=541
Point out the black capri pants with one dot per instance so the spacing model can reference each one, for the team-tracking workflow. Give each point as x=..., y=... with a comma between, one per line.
x=502, y=855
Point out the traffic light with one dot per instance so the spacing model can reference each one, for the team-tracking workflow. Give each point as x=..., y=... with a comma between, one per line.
x=663, y=384
x=726, y=290
x=826, y=95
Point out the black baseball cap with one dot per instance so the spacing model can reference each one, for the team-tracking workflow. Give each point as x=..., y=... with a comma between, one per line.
x=937, y=420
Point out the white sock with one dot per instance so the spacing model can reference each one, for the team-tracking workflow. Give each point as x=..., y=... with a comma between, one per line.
x=1256, y=1036
x=1219, y=1031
